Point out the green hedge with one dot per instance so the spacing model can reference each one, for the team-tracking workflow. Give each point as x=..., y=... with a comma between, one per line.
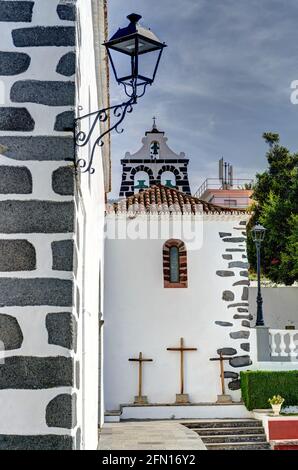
x=258, y=386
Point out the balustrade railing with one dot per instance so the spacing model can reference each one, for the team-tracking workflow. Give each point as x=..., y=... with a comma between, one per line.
x=284, y=344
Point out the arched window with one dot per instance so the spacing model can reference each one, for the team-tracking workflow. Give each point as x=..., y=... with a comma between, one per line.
x=174, y=264
x=168, y=179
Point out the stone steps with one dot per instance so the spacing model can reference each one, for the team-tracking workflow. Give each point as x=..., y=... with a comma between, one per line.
x=228, y=431
x=231, y=434
x=232, y=439
x=242, y=446
x=224, y=423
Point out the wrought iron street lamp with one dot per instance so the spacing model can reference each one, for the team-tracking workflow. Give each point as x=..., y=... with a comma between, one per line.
x=258, y=235
x=126, y=50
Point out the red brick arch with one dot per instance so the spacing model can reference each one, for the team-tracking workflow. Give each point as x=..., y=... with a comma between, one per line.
x=182, y=264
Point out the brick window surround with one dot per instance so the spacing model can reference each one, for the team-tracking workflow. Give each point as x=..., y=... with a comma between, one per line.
x=182, y=264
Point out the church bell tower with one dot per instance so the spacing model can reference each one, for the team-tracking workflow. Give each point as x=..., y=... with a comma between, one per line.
x=154, y=163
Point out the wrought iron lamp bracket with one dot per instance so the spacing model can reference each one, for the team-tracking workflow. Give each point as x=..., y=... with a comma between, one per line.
x=82, y=138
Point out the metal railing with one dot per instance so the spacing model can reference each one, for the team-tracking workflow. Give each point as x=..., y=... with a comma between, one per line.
x=216, y=183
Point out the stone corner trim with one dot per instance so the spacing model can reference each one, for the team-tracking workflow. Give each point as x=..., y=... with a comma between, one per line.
x=16, y=11
x=14, y=63
x=16, y=119
x=50, y=93
x=17, y=255
x=36, y=216
x=36, y=291
x=66, y=12
x=63, y=253
x=38, y=148
x=61, y=411
x=27, y=372
x=63, y=180
x=36, y=442
x=15, y=180
x=44, y=36
x=67, y=64
x=10, y=332
x=62, y=329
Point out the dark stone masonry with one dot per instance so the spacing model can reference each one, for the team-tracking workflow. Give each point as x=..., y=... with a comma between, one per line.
x=62, y=329
x=223, y=323
x=16, y=11
x=225, y=273
x=241, y=283
x=245, y=323
x=227, y=351
x=36, y=291
x=62, y=252
x=61, y=411
x=27, y=372
x=66, y=12
x=242, y=317
x=245, y=347
x=238, y=264
x=36, y=216
x=15, y=180
x=240, y=361
x=16, y=119
x=50, y=93
x=64, y=121
x=240, y=334
x=228, y=295
x=14, y=63
x=63, y=180
x=224, y=234
x=10, y=332
x=238, y=304
x=17, y=255
x=44, y=36
x=234, y=385
x=231, y=375
x=244, y=293
x=234, y=239
x=67, y=64
x=228, y=257
x=40, y=442
x=38, y=148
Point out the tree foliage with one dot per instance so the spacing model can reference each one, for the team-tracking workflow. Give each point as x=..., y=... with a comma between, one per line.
x=276, y=207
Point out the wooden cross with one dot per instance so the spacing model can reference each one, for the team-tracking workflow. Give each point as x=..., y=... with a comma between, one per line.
x=181, y=350
x=140, y=360
x=221, y=360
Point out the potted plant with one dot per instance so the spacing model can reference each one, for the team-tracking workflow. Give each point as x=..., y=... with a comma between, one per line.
x=276, y=402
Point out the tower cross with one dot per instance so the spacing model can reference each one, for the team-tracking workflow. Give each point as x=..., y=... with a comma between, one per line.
x=140, y=360
x=181, y=349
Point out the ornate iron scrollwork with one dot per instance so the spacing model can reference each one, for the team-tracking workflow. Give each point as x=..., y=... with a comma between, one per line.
x=82, y=138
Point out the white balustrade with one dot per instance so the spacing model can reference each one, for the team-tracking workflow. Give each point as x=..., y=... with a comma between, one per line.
x=284, y=343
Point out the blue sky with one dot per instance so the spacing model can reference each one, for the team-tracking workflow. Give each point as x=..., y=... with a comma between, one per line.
x=224, y=79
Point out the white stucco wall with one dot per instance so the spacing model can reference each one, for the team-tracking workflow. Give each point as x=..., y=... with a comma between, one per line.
x=141, y=315
x=280, y=305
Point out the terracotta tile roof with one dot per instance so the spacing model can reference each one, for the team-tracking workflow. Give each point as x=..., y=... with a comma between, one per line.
x=161, y=199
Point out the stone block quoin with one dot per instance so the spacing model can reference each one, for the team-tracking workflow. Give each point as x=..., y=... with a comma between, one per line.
x=50, y=93
x=62, y=329
x=16, y=11
x=17, y=255
x=40, y=36
x=38, y=148
x=14, y=63
x=33, y=373
x=15, y=180
x=61, y=411
x=16, y=119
